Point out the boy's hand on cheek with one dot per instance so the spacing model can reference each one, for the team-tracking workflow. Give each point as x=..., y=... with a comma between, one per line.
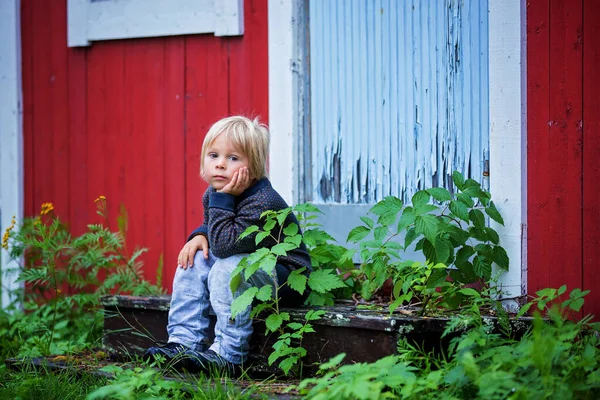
x=239, y=182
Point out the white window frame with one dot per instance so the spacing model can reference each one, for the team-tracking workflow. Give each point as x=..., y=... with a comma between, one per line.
x=508, y=139
x=93, y=20
x=11, y=136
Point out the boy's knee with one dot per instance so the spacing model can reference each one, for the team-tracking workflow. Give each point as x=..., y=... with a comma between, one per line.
x=220, y=273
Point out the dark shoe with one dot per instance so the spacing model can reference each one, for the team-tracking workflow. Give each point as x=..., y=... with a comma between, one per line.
x=208, y=362
x=168, y=351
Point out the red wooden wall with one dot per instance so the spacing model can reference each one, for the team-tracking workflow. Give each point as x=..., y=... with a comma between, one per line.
x=126, y=119
x=563, y=117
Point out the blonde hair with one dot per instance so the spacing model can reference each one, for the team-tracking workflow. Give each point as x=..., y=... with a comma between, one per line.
x=251, y=137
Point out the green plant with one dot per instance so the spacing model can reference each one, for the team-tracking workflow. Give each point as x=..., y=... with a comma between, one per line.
x=449, y=229
x=322, y=280
x=64, y=278
x=47, y=385
x=149, y=383
x=558, y=359
x=546, y=300
x=381, y=379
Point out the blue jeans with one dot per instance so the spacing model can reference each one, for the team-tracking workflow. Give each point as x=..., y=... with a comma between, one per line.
x=205, y=285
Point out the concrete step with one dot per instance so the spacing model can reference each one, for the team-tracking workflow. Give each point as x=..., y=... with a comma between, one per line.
x=365, y=334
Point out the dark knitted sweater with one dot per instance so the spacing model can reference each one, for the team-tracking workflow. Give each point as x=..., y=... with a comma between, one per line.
x=227, y=216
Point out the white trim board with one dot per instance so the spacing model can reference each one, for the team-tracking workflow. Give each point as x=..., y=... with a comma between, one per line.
x=508, y=133
x=11, y=133
x=90, y=20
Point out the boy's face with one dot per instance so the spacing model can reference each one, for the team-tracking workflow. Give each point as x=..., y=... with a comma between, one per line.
x=221, y=161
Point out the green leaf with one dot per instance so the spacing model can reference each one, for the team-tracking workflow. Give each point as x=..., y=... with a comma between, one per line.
x=235, y=282
x=407, y=218
x=243, y=301
x=273, y=322
x=268, y=263
x=429, y=251
x=491, y=235
x=314, y=315
x=427, y=225
x=466, y=200
x=576, y=304
x=324, y=280
x=562, y=289
x=291, y=229
x=425, y=208
x=295, y=325
x=443, y=249
x=380, y=232
x=470, y=292
x=250, y=230
x=458, y=179
x=500, y=257
x=287, y=363
x=493, y=213
x=440, y=194
x=368, y=221
x=283, y=214
x=524, y=310
x=265, y=293
x=295, y=240
x=260, y=236
x=307, y=208
x=460, y=210
x=463, y=254
x=333, y=362
x=281, y=249
x=477, y=218
x=297, y=281
x=420, y=198
x=269, y=225
x=482, y=268
x=358, y=233
x=410, y=237
x=389, y=205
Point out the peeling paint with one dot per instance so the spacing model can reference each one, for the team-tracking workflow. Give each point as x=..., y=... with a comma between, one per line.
x=405, y=91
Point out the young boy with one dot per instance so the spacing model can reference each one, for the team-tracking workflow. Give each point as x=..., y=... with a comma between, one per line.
x=233, y=162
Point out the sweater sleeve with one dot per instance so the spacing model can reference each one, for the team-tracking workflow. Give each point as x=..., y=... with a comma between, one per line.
x=227, y=224
x=202, y=229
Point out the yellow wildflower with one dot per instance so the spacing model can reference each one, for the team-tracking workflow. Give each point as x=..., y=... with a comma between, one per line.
x=101, y=198
x=46, y=208
x=7, y=233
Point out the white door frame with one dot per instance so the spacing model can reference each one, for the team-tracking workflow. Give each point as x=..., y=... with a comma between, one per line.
x=507, y=74
x=11, y=133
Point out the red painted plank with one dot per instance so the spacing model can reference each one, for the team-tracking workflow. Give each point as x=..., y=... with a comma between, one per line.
x=248, y=74
x=538, y=190
x=152, y=136
x=206, y=101
x=174, y=145
x=27, y=79
x=97, y=58
x=59, y=83
x=80, y=209
x=42, y=133
x=114, y=118
x=591, y=150
x=135, y=200
x=564, y=170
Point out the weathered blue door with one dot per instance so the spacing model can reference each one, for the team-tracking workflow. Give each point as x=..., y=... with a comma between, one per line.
x=398, y=100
